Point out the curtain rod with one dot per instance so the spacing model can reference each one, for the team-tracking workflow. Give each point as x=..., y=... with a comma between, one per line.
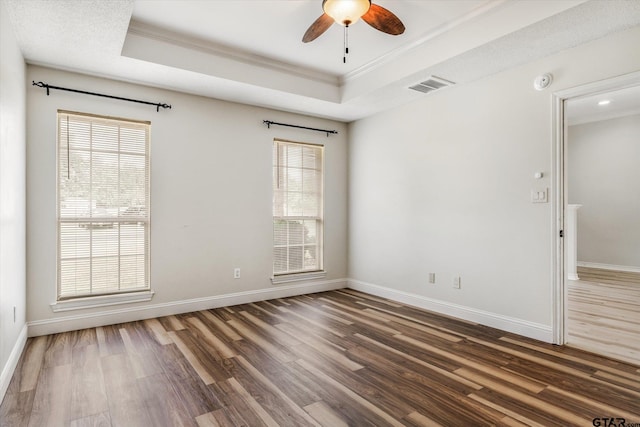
x=48, y=86
x=269, y=123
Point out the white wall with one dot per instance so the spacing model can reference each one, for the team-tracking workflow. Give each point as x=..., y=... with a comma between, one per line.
x=210, y=197
x=604, y=177
x=12, y=201
x=443, y=185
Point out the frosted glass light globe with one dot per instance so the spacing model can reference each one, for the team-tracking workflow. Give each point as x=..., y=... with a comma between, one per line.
x=346, y=12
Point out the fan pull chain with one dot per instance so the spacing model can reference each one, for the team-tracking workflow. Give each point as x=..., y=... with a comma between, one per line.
x=346, y=43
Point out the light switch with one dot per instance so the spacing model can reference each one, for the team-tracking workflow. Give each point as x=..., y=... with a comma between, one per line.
x=539, y=196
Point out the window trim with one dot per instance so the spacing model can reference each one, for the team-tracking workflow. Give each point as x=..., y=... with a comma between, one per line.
x=297, y=277
x=93, y=301
x=77, y=302
x=319, y=272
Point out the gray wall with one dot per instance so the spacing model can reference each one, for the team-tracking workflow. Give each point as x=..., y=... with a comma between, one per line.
x=210, y=196
x=604, y=177
x=12, y=200
x=443, y=185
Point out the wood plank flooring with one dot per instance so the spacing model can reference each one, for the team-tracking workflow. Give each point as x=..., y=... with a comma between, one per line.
x=603, y=309
x=601, y=275
x=339, y=358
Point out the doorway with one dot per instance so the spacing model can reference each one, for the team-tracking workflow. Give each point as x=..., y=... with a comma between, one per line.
x=598, y=211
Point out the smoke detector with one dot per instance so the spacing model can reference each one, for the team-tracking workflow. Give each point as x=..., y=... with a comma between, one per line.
x=431, y=84
x=543, y=81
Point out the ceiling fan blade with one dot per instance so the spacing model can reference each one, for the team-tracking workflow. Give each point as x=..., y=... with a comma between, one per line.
x=316, y=29
x=383, y=20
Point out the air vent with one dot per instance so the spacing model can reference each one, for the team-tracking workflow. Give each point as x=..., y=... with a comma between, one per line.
x=431, y=84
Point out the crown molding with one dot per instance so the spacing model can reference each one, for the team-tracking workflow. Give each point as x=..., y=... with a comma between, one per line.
x=391, y=56
x=225, y=51
x=598, y=117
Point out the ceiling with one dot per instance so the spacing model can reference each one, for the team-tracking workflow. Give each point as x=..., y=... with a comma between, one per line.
x=603, y=106
x=250, y=51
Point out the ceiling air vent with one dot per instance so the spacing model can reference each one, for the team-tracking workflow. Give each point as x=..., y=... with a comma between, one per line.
x=431, y=84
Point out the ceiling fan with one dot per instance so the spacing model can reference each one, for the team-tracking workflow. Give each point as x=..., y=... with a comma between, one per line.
x=347, y=12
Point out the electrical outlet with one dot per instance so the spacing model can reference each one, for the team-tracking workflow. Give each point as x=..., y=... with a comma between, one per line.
x=236, y=273
x=456, y=282
x=14, y=314
x=432, y=277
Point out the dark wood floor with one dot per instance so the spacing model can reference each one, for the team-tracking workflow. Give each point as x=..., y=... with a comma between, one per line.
x=332, y=359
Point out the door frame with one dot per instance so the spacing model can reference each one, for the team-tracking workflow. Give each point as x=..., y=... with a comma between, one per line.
x=559, y=184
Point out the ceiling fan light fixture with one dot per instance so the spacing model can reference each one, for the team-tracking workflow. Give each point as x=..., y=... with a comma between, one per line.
x=346, y=12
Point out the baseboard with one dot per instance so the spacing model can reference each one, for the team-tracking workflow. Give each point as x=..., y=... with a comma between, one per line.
x=130, y=314
x=628, y=268
x=12, y=362
x=505, y=323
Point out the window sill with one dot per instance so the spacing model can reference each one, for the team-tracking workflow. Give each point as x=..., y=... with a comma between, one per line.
x=101, y=301
x=297, y=277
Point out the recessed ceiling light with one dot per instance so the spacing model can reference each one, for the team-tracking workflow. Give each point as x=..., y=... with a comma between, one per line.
x=604, y=102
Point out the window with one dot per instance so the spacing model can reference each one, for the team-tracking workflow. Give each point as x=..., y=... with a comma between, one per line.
x=297, y=207
x=103, y=205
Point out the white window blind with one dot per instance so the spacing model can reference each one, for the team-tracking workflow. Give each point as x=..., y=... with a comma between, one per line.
x=103, y=205
x=297, y=207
